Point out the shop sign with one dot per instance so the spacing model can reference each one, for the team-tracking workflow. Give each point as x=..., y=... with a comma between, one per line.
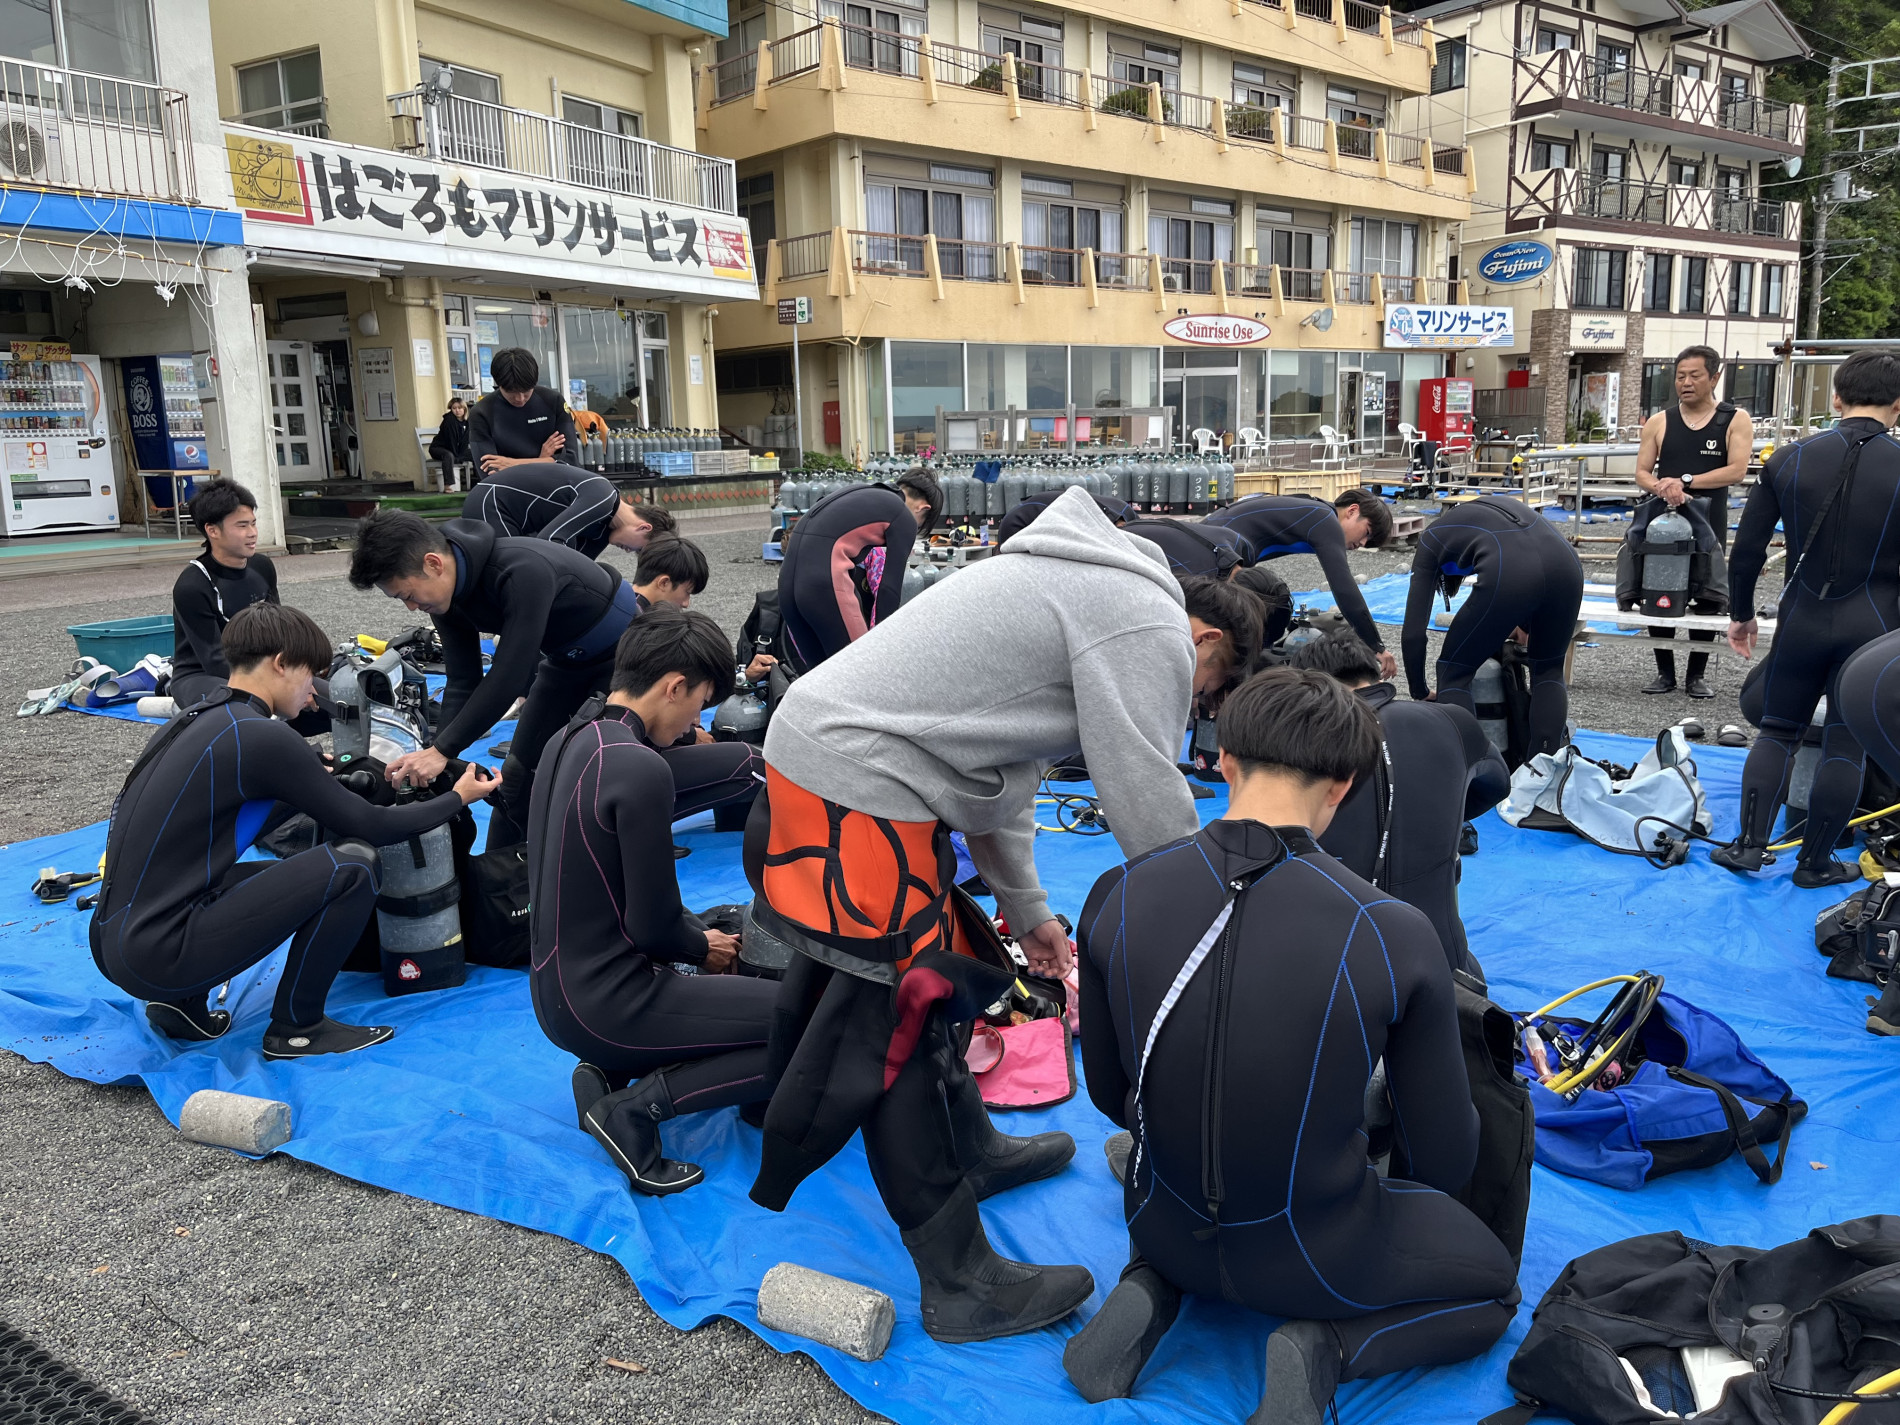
x=1512, y=262
x=395, y=206
x=1599, y=333
x=1439, y=328
x=41, y=350
x=1217, y=331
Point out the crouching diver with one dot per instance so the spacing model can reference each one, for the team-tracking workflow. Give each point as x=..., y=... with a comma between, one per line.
x=1025, y=511
x=1076, y=637
x=1836, y=496
x=178, y=913
x=1244, y=957
x=1196, y=550
x=558, y=615
x=547, y=499
x=608, y=925
x=834, y=584
x=1527, y=577
x=1400, y=827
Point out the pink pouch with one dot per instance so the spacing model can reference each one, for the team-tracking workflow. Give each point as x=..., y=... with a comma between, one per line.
x=1037, y=1068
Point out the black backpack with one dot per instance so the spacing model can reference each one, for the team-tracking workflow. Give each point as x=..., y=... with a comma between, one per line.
x=764, y=630
x=1728, y=1335
x=1861, y=935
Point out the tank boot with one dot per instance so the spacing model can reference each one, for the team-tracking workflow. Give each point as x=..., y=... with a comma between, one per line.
x=326, y=1036
x=969, y=1293
x=627, y=1125
x=997, y=1161
x=1304, y=1363
x=187, y=1019
x=1745, y=854
x=1106, y=1356
x=1883, y=1014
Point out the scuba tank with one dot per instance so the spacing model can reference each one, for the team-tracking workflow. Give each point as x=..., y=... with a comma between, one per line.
x=917, y=578
x=1807, y=761
x=1194, y=481
x=1667, y=548
x=742, y=718
x=1487, y=696
x=1226, y=484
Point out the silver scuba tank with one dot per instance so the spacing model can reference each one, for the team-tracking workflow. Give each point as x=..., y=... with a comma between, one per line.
x=741, y=718
x=1667, y=548
x=1487, y=696
x=418, y=917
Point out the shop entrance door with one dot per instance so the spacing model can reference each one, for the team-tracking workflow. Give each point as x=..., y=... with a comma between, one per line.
x=302, y=443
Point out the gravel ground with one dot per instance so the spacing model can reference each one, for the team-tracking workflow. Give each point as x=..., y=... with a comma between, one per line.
x=207, y=1288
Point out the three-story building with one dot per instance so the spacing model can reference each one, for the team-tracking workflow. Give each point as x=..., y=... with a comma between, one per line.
x=1036, y=205
x=425, y=183
x=1629, y=163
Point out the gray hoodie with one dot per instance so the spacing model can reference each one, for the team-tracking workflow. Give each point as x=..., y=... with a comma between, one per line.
x=1074, y=638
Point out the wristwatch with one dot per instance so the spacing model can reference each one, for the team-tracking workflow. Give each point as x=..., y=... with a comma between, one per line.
x=1687, y=480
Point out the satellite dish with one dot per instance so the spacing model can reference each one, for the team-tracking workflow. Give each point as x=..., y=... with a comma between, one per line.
x=1792, y=166
x=1321, y=320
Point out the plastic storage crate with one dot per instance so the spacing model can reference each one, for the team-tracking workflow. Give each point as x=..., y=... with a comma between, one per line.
x=671, y=462
x=119, y=643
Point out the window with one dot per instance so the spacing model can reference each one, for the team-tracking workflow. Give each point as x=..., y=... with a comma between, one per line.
x=1687, y=69
x=1384, y=246
x=1772, y=296
x=1300, y=245
x=1609, y=164
x=1136, y=61
x=284, y=93
x=1599, y=278
x=1027, y=377
x=469, y=132
x=1660, y=282
x=1257, y=87
x=1732, y=182
x=1549, y=153
x=1734, y=86
x=1066, y=227
x=1751, y=385
x=1449, y=70
x=1685, y=172
x=1195, y=245
x=878, y=37
x=964, y=223
x=744, y=37
x=1695, y=284
x=1549, y=40
x=602, y=147
x=924, y=376
x=1037, y=45
x=1741, y=289
x=466, y=83
x=1355, y=108
x=758, y=206
x=1659, y=386
x=99, y=36
x=604, y=117
x=1612, y=56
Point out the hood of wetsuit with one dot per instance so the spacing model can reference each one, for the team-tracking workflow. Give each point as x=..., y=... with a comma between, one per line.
x=1074, y=527
x=476, y=541
x=1377, y=695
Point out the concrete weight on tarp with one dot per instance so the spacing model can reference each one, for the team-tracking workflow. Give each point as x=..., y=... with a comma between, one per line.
x=235, y=1120
x=829, y=1310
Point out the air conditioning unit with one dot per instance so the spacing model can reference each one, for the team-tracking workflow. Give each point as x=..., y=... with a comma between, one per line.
x=1172, y=282
x=35, y=149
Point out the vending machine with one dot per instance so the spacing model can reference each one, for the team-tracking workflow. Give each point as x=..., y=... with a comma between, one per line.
x=53, y=445
x=1444, y=412
x=167, y=419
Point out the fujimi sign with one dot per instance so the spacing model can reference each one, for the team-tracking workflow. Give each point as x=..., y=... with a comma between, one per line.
x=1217, y=331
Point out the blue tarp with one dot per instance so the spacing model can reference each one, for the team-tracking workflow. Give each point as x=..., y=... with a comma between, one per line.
x=1385, y=600
x=469, y=1106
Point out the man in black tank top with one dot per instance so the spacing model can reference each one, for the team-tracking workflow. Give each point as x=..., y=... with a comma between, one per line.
x=1694, y=451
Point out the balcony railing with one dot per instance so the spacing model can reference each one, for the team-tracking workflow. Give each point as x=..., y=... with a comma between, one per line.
x=459, y=130
x=1750, y=217
x=1561, y=192
x=61, y=128
x=1571, y=74
x=1619, y=200
x=311, y=118
x=888, y=52
x=807, y=256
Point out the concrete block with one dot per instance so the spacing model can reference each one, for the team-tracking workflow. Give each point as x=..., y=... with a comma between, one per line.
x=235, y=1120
x=829, y=1310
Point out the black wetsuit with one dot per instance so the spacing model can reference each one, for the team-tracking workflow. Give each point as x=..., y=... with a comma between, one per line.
x=1195, y=550
x=1298, y=524
x=557, y=616
x=206, y=597
x=1024, y=513
x=547, y=500
x=1527, y=577
x=1695, y=452
x=495, y=427
x=178, y=913
x=824, y=594
x=1868, y=693
x=1844, y=592
x=608, y=922
x=1250, y=1180
x=1437, y=771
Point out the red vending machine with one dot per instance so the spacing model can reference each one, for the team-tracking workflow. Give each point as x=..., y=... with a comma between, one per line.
x=1444, y=412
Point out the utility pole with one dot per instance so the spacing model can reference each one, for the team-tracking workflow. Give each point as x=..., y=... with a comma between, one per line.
x=1822, y=205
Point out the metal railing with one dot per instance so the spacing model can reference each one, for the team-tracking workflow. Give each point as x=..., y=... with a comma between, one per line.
x=1053, y=266
x=460, y=130
x=1182, y=274
x=1119, y=96
x=887, y=254
x=1305, y=131
x=1404, y=150
x=1354, y=288
x=1448, y=160
x=63, y=128
x=963, y=260
x=1620, y=86
x=735, y=77
x=308, y=117
x=1303, y=284
x=806, y=256
x=798, y=53
x=1048, y=83
x=1314, y=9
x=1762, y=118
x=1123, y=269
x=1625, y=202
x=1362, y=17
x=1354, y=140
x=1749, y=216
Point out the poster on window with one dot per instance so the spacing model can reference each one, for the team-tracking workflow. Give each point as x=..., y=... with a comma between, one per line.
x=306, y=194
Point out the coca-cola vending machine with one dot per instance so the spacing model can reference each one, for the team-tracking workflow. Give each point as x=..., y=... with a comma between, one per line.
x=1444, y=412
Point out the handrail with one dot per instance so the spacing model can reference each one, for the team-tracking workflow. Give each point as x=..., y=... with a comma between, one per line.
x=96, y=133
x=275, y=116
x=808, y=255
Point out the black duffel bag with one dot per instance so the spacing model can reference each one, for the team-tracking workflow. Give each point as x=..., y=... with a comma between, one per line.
x=1726, y=1335
x=495, y=904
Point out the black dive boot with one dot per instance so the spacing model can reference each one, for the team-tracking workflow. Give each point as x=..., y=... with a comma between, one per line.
x=1304, y=1364
x=972, y=1294
x=590, y=1087
x=997, y=1161
x=187, y=1019
x=1745, y=854
x=326, y=1036
x=1825, y=871
x=1883, y=1015
x=627, y=1125
x=1106, y=1356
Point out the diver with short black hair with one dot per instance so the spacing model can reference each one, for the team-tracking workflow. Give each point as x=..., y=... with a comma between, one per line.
x=843, y=571
x=546, y=499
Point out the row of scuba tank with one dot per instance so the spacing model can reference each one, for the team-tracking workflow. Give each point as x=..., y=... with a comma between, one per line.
x=628, y=447
x=1184, y=485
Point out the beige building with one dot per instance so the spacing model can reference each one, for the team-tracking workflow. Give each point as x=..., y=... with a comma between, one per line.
x=995, y=205
x=423, y=184
x=1628, y=163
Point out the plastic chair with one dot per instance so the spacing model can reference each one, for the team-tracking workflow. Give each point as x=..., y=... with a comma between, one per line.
x=1206, y=442
x=1247, y=442
x=1337, y=449
x=1409, y=440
